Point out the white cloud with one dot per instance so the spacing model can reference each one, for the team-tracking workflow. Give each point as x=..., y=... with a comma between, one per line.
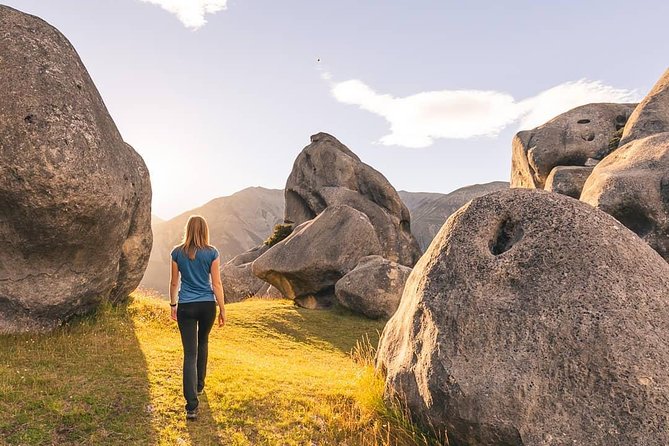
x=191, y=12
x=417, y=120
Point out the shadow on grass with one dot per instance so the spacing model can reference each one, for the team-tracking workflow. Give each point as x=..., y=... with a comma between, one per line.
x=338, y=327
x=84, y=383
x=203, y=431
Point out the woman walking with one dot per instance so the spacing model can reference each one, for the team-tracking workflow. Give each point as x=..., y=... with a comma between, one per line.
x=198, y=264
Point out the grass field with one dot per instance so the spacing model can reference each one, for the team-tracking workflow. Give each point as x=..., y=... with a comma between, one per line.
x=278, y=375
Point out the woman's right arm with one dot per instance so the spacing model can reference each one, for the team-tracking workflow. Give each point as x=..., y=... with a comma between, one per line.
x=217, y=285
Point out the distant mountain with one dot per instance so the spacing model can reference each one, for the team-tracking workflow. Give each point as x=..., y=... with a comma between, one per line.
x=430, y=210
x=245, y=219
x=237, y=223
x=155, y=220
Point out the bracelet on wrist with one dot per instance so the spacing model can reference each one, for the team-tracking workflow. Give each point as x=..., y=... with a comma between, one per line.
x=172, y=305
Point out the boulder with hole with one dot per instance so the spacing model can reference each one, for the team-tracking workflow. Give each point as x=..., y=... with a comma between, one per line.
x=373, y=288
x=570, y=139
x=534, y=319
x=74, y=198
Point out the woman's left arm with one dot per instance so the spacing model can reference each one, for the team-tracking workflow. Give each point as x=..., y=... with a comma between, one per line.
x=174, y=285
x=217, y=287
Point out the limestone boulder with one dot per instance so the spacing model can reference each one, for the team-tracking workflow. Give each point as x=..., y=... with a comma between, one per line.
x=306, y=265
x=534, y=319
x=373, y=288
x=74, y=198
x=239, y=282
x=327, y=173
x=651, y=116
x=568, y=180
x=570, y=139
x=632, y=184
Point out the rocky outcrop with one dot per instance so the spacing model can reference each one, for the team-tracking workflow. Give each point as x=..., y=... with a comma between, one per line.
x=632, y=184
x=327, y=173
x=651, y=116
x=568, y=180
x=373, y=288
x=534, y=319
x=237, y=223
x=306, y=265
x=570, y=139
x=74, y=198
x=343, y=211
x=429, y=210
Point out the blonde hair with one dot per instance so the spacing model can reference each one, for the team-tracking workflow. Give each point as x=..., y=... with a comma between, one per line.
x=196, y=236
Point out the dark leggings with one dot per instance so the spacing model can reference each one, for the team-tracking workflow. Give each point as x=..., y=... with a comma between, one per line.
x=195, y=320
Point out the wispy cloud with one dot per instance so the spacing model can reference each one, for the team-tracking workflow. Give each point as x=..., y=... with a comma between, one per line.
x=191, y=12
x=417, y=120
x=549, y=103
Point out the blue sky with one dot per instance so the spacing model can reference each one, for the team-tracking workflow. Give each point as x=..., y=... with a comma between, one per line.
x=428, y=92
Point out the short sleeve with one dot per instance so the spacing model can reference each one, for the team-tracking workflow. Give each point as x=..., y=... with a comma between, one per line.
x=174, y=253
x=214, y=254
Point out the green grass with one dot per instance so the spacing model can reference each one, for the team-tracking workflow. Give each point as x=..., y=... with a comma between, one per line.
x=278, y=375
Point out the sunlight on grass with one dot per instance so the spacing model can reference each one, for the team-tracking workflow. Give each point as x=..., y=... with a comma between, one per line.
x=277, y=375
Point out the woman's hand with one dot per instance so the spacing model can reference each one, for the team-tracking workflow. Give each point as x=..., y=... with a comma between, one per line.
x=174, y=313
x=221, y=317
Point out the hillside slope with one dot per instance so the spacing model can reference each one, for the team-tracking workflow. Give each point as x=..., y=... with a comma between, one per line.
x=236, y=223
x=277, y=375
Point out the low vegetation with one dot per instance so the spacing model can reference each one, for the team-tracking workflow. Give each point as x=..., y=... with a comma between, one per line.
x=277, y=375
x=614, y=142
x=281, y=231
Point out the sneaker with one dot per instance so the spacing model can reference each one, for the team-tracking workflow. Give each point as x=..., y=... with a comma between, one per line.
x=191, y=414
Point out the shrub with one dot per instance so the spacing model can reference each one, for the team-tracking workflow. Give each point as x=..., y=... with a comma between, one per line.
x=615, y=140
x=281, y=231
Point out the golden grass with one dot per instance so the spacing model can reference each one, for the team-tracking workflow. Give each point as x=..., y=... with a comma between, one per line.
x=278, y=375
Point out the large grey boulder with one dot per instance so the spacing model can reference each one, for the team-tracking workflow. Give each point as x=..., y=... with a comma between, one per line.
x=534, y=319
x=632, y=184
x=327, y=173
x=570, y=139
x=651, y=115
x=373, y=288
x=306, y=265
x=74, y=198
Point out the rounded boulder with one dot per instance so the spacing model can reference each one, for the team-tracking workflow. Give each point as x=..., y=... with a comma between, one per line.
x=74, y=198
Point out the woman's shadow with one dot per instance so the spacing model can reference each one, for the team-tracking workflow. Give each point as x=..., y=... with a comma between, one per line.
x=204, y=430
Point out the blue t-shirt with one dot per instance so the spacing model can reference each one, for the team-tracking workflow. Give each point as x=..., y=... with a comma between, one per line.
x=195, y=282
